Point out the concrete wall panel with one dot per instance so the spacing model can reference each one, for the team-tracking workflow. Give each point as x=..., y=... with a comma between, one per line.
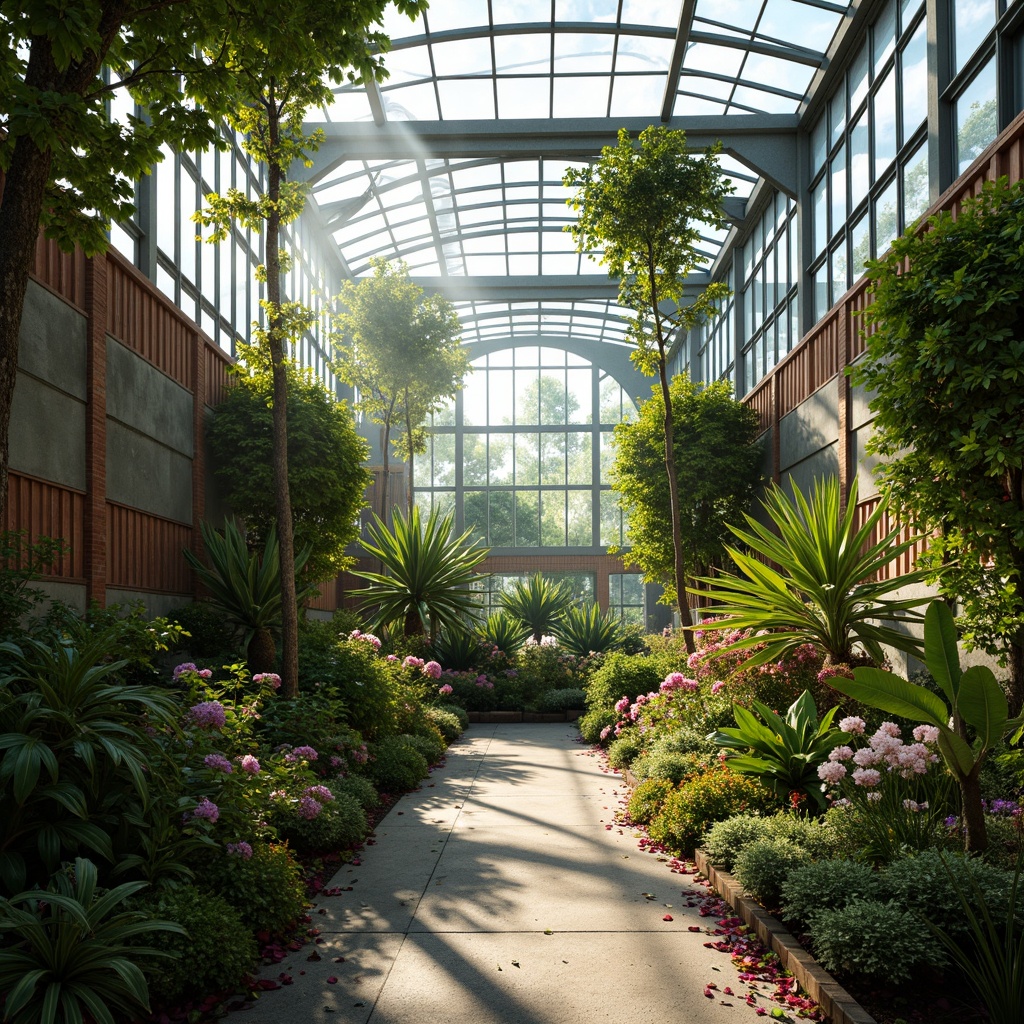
x=865, y=464
x=811, y=426
x=156, y=604
x=146, y=475
x=47, y=433
x=823, y=463
x=52, y=341
x=141, y=397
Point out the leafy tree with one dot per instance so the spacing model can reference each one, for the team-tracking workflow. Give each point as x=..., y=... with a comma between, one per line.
x=326, y=479
x=717, y=468
x=279, y=61
x=945, y=362
x=644, y=207
x=402, y=351
x=59, y=65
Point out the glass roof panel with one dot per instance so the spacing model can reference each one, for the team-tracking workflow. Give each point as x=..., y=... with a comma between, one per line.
x=497, y=206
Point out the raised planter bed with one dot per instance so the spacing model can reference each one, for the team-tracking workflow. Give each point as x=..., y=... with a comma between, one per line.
x=834, y=1000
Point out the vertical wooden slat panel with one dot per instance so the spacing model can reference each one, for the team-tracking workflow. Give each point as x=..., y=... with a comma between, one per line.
x=44, y=509
x=217, y=377
x=62, y=272
x=145, y=552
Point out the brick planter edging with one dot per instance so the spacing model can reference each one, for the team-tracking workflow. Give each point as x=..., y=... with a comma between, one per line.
x=834, y=1000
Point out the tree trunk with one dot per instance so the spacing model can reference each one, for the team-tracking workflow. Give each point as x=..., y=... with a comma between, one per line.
x=413, y=623
x=975, y=835
x=261, y=654
x=678, y=560
x=1015, y=663
x=282, y=498
x=385, y=477
x=408, y=439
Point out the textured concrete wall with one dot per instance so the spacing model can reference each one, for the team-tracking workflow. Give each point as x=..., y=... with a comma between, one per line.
x=156, y=604
x=48, y=414
x=813, y=425
x=823, y=463
x=147, y=475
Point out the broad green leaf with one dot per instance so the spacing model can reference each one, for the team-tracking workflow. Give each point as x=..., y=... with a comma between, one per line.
x=940, y=649
x=896, y=696
x=958, y=755
x=982, y=704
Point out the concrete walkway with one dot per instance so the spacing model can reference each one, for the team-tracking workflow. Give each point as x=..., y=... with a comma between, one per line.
x=496, y=894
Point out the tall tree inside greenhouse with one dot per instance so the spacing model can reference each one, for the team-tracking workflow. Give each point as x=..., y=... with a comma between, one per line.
x=402, y=351
x=279, y=62
x=643, y=206
x=717, y=464
x=945, y=361
x=69, y=168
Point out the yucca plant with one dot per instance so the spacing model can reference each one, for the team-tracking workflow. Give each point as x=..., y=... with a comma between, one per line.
x=456, y=646
x=427, y=572
x=75, y=754
x=585, y=629
x=816, y=581
x=246, y=587
x=782, y=751
x=504, y=631
x=538, y=603
x=66, y=951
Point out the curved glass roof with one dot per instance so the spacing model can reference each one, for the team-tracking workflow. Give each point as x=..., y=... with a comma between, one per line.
x=455, y=162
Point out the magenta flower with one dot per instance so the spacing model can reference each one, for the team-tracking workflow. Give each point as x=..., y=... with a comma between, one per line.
x=270, y=678
x=218, y=761
x=391, y=657
x=180, y=670
x=309, y=808
x=432, y=669
x=250, y=765
x=243, y=849
x=307, y=752
x=208, y=715
x=445, y=690
x=411, y=662
x=321, y=793
x=206, y=809
x=206, y=673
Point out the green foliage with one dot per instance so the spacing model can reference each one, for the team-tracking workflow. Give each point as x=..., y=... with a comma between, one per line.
x=447, y=722
x=326, y=479
x=921, y=884
x=718, y=463
x=762, y=867
x=568, y=698
x=456, y=647
x=783, y=751
x=212, y=951
x=593, y=723
x=21, y=563
x=245, y=586
x=823, y=589
x=394, y=766
x=702, y=800
x=945, y=365
x=208, y=634
x=74, y=754
x=537, y=604
x=646, y=800
x=427, y=572
x=585, y=629
x=431, y=749
x=314, y=718
x=359, y=788
x=623, y=675
x=814, y=835
x=341, y=823
x=878, y=941
x=67, y=950
x=624, y=749
x=827, y=885
x=504, y=631
x=973, y=697
x=670, y=764
x=725, y=839
x=266, y=889
x=402, y=350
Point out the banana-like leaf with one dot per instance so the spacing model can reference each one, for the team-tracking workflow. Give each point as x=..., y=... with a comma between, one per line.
x=956, y=753
x=940, y=650
x=981, y=703
x=889, y=693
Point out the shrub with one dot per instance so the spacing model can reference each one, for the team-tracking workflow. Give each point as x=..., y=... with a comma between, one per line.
x=567, y=698
x=460, y=713
x=217, y=953
x=668, y=764
x=701, y=801
x=646, y=800
x=394, y=766
x=209, y=636
x=818, y=838
x=265, y=889
x=592, y=724
x=340, y=823
x=431, y=749
x=827, y=885
x=725, y=839
x=881, y=941
x=621, y=675
x=684, y=741
x=921, y=885
x=622, y=750
x=763, y=865
x=358, y=787
x=446, y=721
x=309, y=719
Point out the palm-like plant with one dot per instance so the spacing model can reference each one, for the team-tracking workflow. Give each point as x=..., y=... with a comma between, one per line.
x=583, y=630
x=457, y=647
x=67, y=951
x=817, y=581
x=783, y=752
x=246, y=587
x=504, y=631
x=538, y=603
x=428, y=572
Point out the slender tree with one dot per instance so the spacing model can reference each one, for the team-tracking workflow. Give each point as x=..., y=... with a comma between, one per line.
x=643, y=207
x=402, y=351
x=279, y=61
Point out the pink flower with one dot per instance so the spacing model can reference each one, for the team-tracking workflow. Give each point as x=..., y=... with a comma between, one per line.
x=840, y=754
x=411, y=662
x=309, y=808
x=432, y=669
x=889, y=729
x=243, y=849
x=180, y=670
x=622, y=706
x=218, y=761
x=926, y=734
x=307, y=752
x=853, y=724
x=206, y=673
x=445, y=690
x=321, y=793
x=715, y=687
x=367, y=637
x=481, y=679
x=866, y=756
x=677, y=681
x=832, y=772
x=208, y=715
x=206, y=809
x=867, y=777
x=391, y=657
x=270, y=678
x=250, y=765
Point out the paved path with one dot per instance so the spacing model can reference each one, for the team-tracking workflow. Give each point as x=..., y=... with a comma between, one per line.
x=449, y=916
